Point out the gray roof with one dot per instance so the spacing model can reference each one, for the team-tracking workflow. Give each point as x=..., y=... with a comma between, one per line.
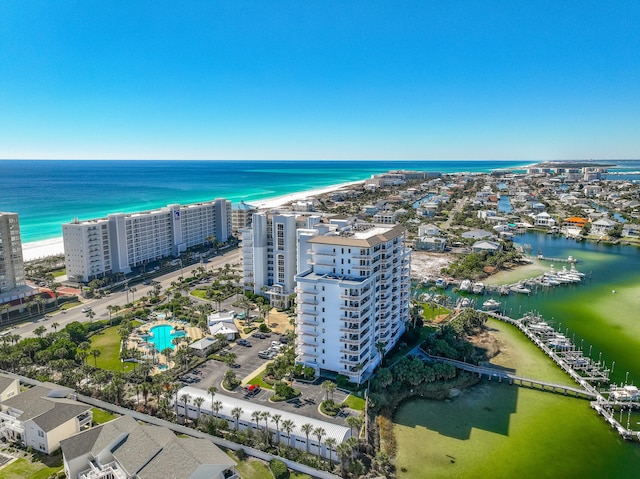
x=5, y=382
x=476, y=234
x=149, y=452
x=23, y=401
x=61, y=411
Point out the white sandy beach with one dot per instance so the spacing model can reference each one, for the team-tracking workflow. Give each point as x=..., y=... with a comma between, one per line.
x=55, y=246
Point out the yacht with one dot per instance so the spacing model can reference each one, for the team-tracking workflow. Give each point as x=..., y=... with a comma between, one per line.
x=491, y=305
x=465, y=285
x=518, y=288
x=478, y=288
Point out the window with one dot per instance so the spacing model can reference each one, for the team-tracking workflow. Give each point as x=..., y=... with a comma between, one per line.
x=40, y=434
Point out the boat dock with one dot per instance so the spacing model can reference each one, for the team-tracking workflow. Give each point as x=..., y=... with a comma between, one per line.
x=570, y=259
x=589, y=374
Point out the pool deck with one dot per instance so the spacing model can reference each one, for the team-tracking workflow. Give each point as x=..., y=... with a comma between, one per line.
x=136, y=340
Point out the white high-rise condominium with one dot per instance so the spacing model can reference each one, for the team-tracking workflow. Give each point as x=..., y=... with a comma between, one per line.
x=116, y=244
x=11, y=261
x=353, y=302
x=270, y=253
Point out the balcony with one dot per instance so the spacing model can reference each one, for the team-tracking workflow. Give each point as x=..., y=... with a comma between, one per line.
x=355, y=341
x=107, y=471
x=321, y=253
x=309, y=313
x=351, y=361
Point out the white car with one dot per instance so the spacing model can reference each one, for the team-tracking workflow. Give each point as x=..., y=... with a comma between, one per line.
x=86, y=309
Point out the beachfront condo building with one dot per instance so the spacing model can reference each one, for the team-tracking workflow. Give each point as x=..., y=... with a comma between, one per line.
x=270, y=253
x=11, y=262
x=120, y=242
x=241, y=217
x=352, y=298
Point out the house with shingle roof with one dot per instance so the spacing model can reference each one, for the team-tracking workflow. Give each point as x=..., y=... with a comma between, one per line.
x=124, y=448
x=41, y=417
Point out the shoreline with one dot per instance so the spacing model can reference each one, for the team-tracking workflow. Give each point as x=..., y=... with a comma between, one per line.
x=35, y=250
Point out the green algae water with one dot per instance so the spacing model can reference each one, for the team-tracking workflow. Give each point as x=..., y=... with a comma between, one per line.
x=501, y=431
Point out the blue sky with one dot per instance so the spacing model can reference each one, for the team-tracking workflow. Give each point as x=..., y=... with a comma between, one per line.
x=320, y=79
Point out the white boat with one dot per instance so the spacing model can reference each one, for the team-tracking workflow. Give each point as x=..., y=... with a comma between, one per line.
x=441, y=283
x=573, y=270
x=491, y=305
x=478, y=288
x=465, y=285
x=625, y=393
x=464, y=303
x=518, y=288
x=504, y=290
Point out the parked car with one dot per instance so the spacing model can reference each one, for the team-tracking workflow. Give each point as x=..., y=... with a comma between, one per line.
x=259, y=335
x=244, y=342
x=253, y=389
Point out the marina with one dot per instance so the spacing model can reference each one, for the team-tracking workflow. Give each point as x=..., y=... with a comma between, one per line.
x=590, y=375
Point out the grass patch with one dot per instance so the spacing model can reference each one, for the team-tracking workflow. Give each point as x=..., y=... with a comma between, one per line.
x=249, y=468
x=199, y=293
x=107, y=342
x=23, y=469
x=354, y=402
x=430, y=314
x=299, y=475
x=59, y=272
x=100, y=416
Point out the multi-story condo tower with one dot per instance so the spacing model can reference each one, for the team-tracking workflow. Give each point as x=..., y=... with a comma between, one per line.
x=11, y=261
x=241, y=217
x=353, y=301
x=119, y=242
x=270, y=253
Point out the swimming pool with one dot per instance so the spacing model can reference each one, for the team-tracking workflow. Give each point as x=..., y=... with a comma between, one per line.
x=162, y=336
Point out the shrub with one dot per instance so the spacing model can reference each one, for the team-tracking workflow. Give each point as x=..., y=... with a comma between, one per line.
x=264, y=328
x=284, y=392
x=330, y=408
x=279, y=469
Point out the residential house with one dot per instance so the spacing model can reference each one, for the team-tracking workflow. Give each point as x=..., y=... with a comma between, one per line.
x=486, y=246
x=41, y=417
x=602, y=226
x=543, y=219
x=430, y=243
x=428, y=230
x=125, y=449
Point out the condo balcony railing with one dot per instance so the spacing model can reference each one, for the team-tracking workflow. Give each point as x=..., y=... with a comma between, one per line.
x=321, y=253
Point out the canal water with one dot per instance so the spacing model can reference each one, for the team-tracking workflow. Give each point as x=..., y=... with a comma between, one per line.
x=496, y=430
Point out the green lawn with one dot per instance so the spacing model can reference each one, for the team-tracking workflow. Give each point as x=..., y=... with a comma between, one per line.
x=199, y=293
x=250, y=468
x=429, y=314
x=23, y=469
x=259, y=381
x=100, y=416
x=59, y=272
x=354, y=402
x=107, y=342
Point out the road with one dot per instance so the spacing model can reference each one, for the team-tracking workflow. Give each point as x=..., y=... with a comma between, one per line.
x=99, y=306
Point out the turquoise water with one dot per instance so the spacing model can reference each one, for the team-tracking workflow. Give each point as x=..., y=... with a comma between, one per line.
x=48, y=193
x=161, y=337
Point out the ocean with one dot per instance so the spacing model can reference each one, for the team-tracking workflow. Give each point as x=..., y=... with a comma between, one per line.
x=48, y=193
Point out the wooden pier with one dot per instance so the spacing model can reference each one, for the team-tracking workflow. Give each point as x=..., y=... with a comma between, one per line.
x=570, y=259
x=493, y=374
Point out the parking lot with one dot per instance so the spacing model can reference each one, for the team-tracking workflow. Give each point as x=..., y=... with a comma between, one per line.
x=212, y=373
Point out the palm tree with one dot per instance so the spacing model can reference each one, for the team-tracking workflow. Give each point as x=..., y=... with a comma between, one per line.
x=95, y=353
x=185, y=399
x=319, y=432
x=307, y=429
x=198, y=402
x=39, y=331
x=236, y=412
x=354, y=421
x=287, y=426
x=328, y=386
x=344, y=453
x=215, y=407
x=276, y=420
x=265, y=417
x=256, y=416
x=90, y=314
x=55, y=326
x=5, y=307
x=54, y=289
x=331, y=444
x=212, y=391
